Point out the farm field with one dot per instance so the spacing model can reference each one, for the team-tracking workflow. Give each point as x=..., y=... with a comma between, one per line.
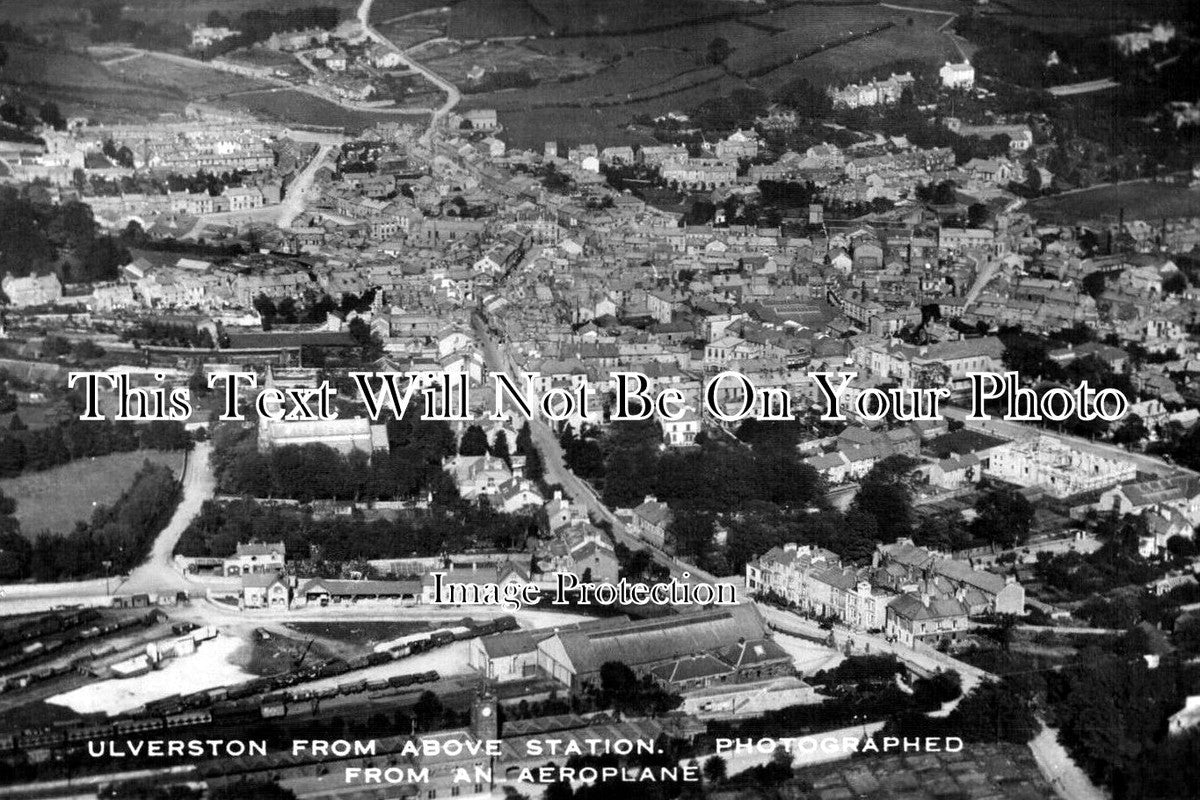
x=919, y=42
x=454, y=64
x=530, y=128
x=187, y=81
x=1074, y=16
x=56, y=499
x=804, y=28
x=184, y=12
x=476, y=19
x=83, y=87
x=384, y=10
x=297, y=107
x=646, y=74
x=495, y=19
x=660, y=71
x=1143, y=200
x=411, y=31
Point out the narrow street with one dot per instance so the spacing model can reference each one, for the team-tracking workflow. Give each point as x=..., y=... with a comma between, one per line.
x=157, y=573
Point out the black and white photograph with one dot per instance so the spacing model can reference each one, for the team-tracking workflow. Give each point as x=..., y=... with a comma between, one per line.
x=599, y=399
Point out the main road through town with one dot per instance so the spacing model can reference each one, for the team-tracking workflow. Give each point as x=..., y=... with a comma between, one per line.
x=558, y=472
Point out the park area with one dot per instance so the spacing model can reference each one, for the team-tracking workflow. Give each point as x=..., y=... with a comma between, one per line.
x=54, y=500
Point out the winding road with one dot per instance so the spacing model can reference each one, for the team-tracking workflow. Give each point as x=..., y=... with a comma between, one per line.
x=453, y=96
x=156, y=575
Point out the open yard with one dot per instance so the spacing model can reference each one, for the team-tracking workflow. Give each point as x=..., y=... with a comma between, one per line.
x=270, y=653
x=361, y=636
x=479, y=19
x=56, y=499
x=1141, y=200
x=502, y=57
x=845, y=61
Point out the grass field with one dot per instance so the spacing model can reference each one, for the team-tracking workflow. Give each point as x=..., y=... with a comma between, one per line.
x=921, y=42
x=666, y=70
x=81, y=86
x=390, y=9
x=56, y=499
x=189, y=81
x=1076, y=16
x=503, y=57
x=410, y=32
x=296, y=107
x=49, y=13
x=569, y=127
x=1143, y=200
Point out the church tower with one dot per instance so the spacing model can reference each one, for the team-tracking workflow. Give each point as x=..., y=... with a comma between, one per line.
x=485, y=722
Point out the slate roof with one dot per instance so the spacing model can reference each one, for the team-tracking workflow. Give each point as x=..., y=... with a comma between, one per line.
x=656, y=640
x=910, y=607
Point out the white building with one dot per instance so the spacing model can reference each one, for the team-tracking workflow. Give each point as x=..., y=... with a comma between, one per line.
x=957, y=76
x=1056, y=468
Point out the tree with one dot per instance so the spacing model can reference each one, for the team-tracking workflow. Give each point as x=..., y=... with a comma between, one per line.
x=524, y=441
x=12, y=456
x=54, y=346
x=692, y=532
x=977, y=215
x=499, y=447
x=428, y=710
x=1187, y=635
x=1131, y=431
x=995, y=711
x=1004, y=517
x=884, y=496
x=474, y=442
x=1033, y=181
x=715, y=769
x=719, y=50
x=265, y=307
x=535, y=468
x=559, y=790
x=52, y=116
x=369, y=344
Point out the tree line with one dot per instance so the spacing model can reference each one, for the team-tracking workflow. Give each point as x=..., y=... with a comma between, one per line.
x=341, y=539
x=40, y=449
x=38, y=237
x=411, y=468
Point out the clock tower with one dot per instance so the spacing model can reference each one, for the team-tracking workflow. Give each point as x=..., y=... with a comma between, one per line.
x=485, y=722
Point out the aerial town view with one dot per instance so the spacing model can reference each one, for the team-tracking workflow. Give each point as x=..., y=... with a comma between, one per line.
x=599, y=399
